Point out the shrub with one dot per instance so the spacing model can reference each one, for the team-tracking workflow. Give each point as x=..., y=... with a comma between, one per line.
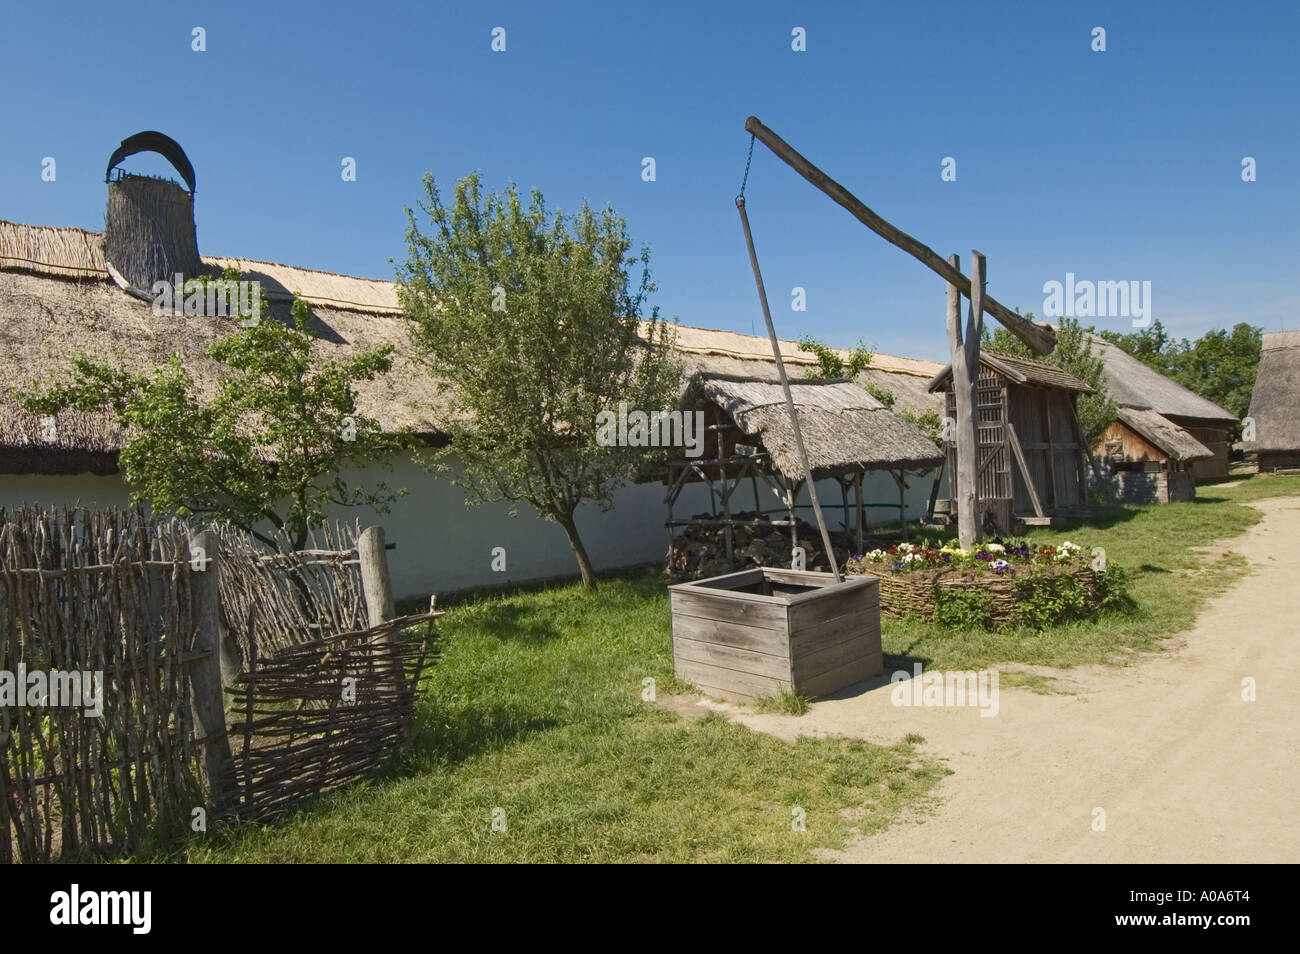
x=962, y=608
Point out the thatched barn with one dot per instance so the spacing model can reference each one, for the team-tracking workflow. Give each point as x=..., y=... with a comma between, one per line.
x=846, y=432
x=1275, y=401
x=1139, y=387
x=1032, y=451
x=1150, y=457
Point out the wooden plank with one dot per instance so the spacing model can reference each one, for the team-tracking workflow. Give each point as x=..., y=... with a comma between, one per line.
x=1051, y=456
x=729, y=657
x=855, y=671
x=866, y=625
x=729, y=581
x=729, y=633
x=770, y=614
x=799, y=577
x=1039, y=338
x=828, y=658
x=858, y=595
x=1024, y=468
x=715, y=677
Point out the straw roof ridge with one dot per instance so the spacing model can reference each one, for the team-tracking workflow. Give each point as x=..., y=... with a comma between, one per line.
x=1174, y=441
x=79, y=253
x=1276, y=396
x=1132, y=383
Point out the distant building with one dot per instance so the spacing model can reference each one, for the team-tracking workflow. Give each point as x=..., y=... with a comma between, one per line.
x=1166, y=424
x=1275, y=403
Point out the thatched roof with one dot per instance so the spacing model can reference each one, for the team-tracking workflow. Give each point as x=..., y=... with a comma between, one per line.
x=76, y=253
x=1020, y=371
x=1276, y=397
x=844, y=428
x=58, y=299
x=1134, y=384
x=714, y=352
x=1175, y=442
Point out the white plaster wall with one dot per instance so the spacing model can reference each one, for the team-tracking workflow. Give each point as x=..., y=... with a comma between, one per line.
x=443, y=545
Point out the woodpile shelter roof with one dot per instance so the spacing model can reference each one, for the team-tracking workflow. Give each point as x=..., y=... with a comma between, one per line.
x=1173, y=441
x=1275, y=400
x=844, y=428
x=716, y=352
x=1019, y=371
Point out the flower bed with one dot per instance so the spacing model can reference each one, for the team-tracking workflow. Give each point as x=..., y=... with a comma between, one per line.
x=994, y=584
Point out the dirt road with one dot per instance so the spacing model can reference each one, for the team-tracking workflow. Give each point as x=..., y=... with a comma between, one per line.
x=1184, y=769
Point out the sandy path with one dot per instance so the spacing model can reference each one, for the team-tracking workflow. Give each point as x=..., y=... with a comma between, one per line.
x=1185, y=770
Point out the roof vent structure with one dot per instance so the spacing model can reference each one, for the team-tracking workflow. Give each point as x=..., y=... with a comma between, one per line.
x=149, y=235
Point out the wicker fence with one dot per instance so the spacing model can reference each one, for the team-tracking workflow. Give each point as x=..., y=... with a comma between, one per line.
x=139, y=689
x=916, y=593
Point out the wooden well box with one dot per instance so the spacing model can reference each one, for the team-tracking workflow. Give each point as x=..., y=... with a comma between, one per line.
x=763, y=631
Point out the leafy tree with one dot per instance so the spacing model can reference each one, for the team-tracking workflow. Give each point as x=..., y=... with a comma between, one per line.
x=267, y=447
x=928, y=422
x=1220, y=365
x=531, y=320
x=830, y=364
x=1073, y=353
x=1150, y=345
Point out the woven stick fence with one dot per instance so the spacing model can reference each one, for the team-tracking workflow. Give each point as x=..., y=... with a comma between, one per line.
x=311, y=686
x=91, y=592
x=323, y=695
x=916, y=592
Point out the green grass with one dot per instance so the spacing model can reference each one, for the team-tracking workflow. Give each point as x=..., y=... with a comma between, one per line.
x=1169, y=582
x=535, y=708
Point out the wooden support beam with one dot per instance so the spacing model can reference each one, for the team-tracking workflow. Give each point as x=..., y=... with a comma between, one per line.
x=862, y=513
x=1051, y=457
x=1039, y=338
x=1024, y=469
x=967, y=446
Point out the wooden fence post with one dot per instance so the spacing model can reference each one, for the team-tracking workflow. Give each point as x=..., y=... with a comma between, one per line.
x=206, y=687
x=377, y=588
x=375, y=584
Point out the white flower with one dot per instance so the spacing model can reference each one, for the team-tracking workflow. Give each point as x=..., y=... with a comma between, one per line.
x=995, y=548
x=876, y=556
x=1000, y=565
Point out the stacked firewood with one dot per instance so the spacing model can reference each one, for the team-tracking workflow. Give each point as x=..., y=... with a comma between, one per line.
x=700, y=550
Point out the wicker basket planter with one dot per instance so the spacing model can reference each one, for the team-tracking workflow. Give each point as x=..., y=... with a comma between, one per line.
x=913, y=593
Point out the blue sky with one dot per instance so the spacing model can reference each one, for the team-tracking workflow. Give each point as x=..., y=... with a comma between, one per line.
x=1122, y=165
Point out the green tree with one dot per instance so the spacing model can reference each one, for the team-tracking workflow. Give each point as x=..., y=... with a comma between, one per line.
x=266, y=448
x=1220, y=365
x=531, y=320
x=1073, y=353
x=830, y=364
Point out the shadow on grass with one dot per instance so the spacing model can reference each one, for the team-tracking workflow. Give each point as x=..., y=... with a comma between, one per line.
x=1102, y=518
x=511, y=622
x=456, y=737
